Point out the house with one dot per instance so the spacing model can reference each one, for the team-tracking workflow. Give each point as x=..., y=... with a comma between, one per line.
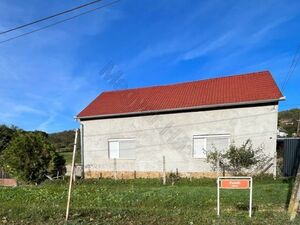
x=281, y=133
x=129, y=133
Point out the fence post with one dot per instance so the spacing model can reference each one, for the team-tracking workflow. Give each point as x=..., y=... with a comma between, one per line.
x=218, y=166
x=115, y=168
x=164, y=171
x=275, y=166
x=295, y=197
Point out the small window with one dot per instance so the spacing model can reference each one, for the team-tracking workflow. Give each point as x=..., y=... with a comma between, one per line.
x=121, y=148
x=205, y=143
x=199, y=147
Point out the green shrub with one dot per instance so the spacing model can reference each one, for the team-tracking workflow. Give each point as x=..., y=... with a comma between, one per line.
x=236, y=159
x=6, y=135
x=30, y=157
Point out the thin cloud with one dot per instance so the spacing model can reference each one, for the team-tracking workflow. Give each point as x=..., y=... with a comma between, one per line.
x=12, y=110
x=208, y=47
x=267, y=29
x=50, y=75
x=39, y=73
x=44, y=126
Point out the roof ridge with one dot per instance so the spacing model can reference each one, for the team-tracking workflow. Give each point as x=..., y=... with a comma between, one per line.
x=189, y=82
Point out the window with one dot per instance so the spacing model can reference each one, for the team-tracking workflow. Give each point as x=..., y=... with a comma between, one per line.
x=121, y=148
x=205, y=143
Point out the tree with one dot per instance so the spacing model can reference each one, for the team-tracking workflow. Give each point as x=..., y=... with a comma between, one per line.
x=237, y=159
x=6, y=135
x=288, y=120
x=30, y=157
x=56, y=164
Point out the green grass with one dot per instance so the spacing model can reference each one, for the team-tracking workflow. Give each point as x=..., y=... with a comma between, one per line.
x=144, y=202
x=68, y=157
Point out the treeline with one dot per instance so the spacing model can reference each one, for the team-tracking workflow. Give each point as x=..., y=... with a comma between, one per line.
x=288, y=121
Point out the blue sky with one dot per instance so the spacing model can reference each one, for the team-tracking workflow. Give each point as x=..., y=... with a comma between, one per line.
x=48, y=77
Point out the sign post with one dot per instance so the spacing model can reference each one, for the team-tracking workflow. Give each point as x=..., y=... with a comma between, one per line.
x=234, y=183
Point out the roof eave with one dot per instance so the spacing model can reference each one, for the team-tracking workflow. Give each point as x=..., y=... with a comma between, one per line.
x=181, y=109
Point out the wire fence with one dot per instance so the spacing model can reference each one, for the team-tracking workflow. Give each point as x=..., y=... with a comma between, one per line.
x=3, y=174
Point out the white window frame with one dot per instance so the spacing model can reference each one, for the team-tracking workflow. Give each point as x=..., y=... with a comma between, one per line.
x=205, y=136
x=118, y=140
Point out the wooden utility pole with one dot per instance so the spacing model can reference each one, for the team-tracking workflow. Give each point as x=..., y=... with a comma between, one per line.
x=295, y=197
x=71, y=176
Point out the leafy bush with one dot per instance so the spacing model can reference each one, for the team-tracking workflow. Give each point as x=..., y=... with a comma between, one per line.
x=56, y=165
x=288, y=120
x=30, y=157
x=236, y=159
x=6, y=135
x=173, y=177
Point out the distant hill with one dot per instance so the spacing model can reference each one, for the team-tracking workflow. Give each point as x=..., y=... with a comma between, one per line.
x=288, y=120
x=63, y=141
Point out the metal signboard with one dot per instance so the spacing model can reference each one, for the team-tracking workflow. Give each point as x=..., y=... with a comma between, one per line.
x=234, y=183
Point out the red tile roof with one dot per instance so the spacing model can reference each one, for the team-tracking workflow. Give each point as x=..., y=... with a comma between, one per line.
x=232, y=90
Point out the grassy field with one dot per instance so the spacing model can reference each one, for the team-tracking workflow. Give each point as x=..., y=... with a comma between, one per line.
x=144, y=202
x=68, y=157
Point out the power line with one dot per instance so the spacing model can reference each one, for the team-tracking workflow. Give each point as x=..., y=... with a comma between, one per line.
x=49, y=17
x=58, y=22
x=292, y=68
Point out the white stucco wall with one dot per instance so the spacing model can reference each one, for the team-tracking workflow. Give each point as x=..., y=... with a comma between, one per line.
x=171, y=135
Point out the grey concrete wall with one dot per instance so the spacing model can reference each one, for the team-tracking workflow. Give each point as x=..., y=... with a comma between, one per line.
x=171, y=135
